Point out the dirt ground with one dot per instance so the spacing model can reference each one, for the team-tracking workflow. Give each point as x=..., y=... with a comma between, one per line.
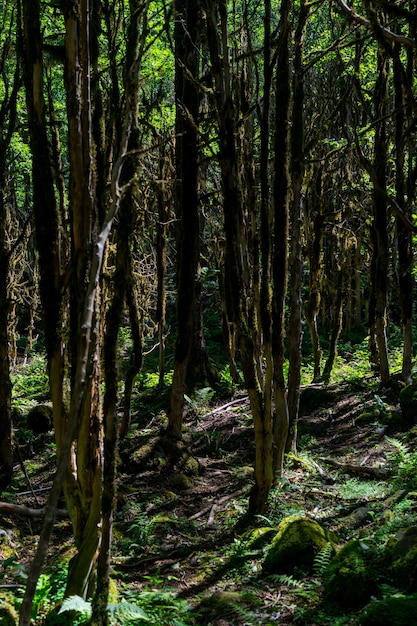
x=182, y=531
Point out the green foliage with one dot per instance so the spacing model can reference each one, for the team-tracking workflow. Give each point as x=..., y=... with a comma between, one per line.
x=395, y=610
x=120, y=613
x=162, y=607
x=287, y=579
x=356, y=489
x=141, y=530
x=30, y=383
x=404, y=464
x=77, y=605
x=322, y=560
x=41, y=601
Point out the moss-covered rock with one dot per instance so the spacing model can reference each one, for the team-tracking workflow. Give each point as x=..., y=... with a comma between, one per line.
x=367, y=417
x=408, y=403
x=351, y=579
x=149, y=455
x=8, y=615
x=392, y=611
x=39, y=419
x=258, y=537
x=297, y=541
x=402, y=554
x=316, y=396
x=225, y=605
x=188, y=464
x=181, y=481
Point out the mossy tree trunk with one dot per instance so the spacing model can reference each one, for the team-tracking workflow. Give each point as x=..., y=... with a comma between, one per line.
x=7, y=126
x=48, y=240
x=378, y=316
x=296, y=217
x=123, y=292
x=83, y=495
x=281, y=206
x=403, y=190
x=187, y=200
x=315, y=222
x=236, y=277
x=161, y=265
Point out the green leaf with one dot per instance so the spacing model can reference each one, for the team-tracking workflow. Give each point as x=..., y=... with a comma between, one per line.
x=77, y=604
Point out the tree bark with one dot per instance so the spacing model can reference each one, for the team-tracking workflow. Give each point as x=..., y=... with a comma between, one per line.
x=187, y=201
x=7, y=126
x=404, y=235
x=296, y=218
x=380, y=225
x=236, y=276
x=281, y=199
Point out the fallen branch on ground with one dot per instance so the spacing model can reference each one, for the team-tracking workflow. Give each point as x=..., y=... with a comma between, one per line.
x=20, y=509
x=350, y=468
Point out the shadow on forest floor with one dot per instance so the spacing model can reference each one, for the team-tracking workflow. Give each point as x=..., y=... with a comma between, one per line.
x=181, y=518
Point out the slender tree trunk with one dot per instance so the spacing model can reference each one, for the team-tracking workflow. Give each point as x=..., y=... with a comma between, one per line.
x=7, y=126
x=380, y=218
x=404, y=234
x=187, y=201
x=123, y=292
x=337, y=324
x=235, y=264
x=297, y=208
x=6, y=453
x=83, y=497
x=266, y=213
x=281, y=198
x=315, y=229
x=161, y=268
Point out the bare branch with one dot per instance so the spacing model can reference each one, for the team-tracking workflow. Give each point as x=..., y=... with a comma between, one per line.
x=385, y=32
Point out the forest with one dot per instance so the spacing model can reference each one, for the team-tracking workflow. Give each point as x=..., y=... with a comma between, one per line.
x=208, y=387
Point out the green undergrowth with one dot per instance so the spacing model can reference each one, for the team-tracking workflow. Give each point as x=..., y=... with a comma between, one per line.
x=185, y=552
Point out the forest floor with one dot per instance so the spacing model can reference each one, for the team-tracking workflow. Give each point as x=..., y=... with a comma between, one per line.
x=179, y=541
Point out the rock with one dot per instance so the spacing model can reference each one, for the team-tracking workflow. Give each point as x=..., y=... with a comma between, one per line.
x=402, y=553
x=392, y=611
x=351, y=579
x=181, y=481
x=258, y=537
x=315, y=396
x=408, y=403
x=225, y=604
x=39, y=419
x=8, y=616
x=297, y=541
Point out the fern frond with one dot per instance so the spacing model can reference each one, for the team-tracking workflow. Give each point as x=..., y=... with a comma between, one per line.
x=322, y=560
x=402, y=449
x=128, y=610
x=77, y=604
x=286, y=579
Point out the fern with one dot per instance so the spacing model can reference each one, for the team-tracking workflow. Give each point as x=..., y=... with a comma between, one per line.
x=287, y=579
x=405, y=463
x=403, y=451
x=322, y=560
x=127, y=610
x=77, y=604
x=120, y=610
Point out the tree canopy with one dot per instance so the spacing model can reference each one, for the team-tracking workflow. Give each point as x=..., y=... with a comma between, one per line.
x=165, y=161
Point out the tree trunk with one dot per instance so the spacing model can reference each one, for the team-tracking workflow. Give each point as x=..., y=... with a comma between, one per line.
x=187, y=201
x=281, y=199
x=403, y=232
x=315, y=221
x=297, y=208
x=380, y=217
x=7, y=126
x=336, y=324
x=235, y=287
